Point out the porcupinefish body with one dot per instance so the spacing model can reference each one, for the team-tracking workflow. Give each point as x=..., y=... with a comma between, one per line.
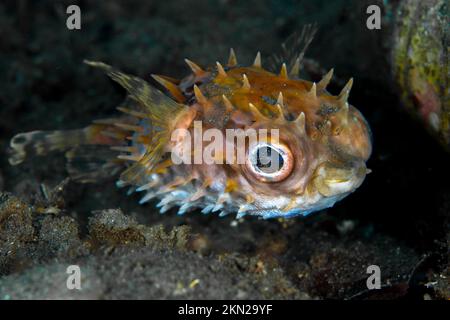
x=320, y=150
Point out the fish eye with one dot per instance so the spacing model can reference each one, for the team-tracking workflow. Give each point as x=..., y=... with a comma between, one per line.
x=270, y=162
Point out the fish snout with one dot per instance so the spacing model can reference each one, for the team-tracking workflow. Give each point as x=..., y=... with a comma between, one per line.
x=333, y=180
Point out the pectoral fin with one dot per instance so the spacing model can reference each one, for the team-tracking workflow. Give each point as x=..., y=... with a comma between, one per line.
x=162, y=115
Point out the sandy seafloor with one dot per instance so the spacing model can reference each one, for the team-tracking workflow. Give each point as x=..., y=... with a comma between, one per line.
x=397, y=220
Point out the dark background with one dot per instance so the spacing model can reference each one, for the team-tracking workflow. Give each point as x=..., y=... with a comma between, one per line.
x=397, y=219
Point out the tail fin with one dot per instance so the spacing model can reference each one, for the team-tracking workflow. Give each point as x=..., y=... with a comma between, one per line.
x=83, y=148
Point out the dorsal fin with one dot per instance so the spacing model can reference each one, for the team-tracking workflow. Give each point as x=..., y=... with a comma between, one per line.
x=293, y=50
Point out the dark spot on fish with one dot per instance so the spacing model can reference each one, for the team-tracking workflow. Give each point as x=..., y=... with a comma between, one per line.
x=326, y=109
x=289, y=117
x=269, y=100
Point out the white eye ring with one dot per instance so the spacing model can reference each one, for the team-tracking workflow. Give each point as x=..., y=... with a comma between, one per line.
x=275, y=166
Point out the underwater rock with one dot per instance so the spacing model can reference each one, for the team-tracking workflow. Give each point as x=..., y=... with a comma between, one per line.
x=112, y=227
x=16, y=231
x=28, y=238
x=420, y=63
x=59, y=235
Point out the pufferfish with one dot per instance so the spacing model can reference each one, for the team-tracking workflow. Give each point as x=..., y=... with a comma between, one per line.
x=323, y=142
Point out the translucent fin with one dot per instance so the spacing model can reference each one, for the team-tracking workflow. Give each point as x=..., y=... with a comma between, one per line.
x=97, y=136
x=160, y=107
x=162, y=113
x=293, y=50
x=40, y=143
x=93, y=163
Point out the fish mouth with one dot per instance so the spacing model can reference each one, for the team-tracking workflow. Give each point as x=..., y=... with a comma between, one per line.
x=331, y=180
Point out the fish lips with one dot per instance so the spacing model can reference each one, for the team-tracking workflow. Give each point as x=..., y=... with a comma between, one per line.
x=332, y=180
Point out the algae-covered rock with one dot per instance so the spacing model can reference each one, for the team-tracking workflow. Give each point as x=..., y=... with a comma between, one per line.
x=420, y=63
x=16, y=231
x=28, y=238
x=59, y=235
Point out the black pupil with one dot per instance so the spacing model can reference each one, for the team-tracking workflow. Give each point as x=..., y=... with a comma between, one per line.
x=268, y=160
